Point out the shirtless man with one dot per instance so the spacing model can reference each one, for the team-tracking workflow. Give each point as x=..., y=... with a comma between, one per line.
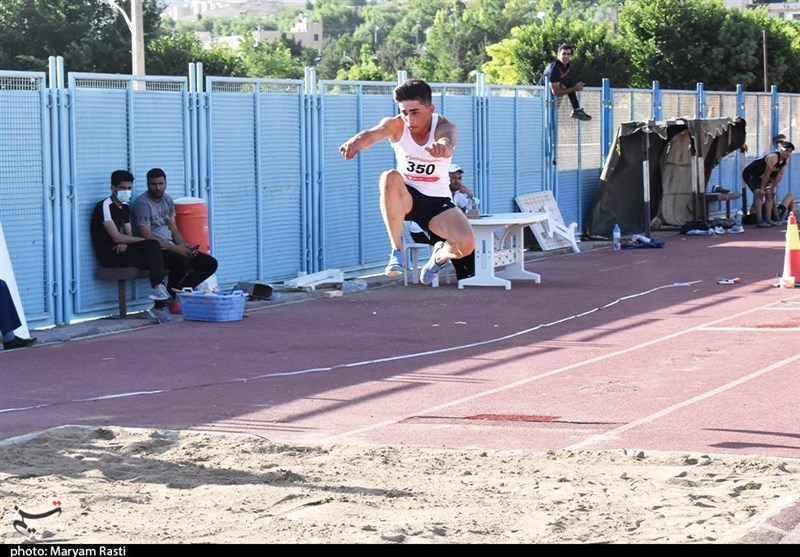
x=418, y=188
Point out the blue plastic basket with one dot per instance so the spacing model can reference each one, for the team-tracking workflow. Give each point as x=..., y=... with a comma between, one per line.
x=219, y=308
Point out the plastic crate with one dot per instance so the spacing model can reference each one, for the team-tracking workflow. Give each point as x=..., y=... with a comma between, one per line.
x=219, y=308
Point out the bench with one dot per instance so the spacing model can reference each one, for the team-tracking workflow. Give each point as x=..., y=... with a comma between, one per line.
x=121, y=275
x=717, y=197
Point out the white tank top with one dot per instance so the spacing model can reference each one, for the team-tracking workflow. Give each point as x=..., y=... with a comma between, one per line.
x=428, y=175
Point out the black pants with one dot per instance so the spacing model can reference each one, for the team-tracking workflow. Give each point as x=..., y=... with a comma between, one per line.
x=9, y=317
x=185, y=272
x=573, y=97
x=465, y=266
x=142, y=255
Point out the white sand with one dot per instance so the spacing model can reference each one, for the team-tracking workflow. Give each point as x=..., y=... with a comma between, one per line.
x=143, y=486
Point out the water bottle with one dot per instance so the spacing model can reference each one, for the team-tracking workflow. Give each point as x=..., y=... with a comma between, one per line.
x=737, y=221
x=356, y=285
x=617, y=238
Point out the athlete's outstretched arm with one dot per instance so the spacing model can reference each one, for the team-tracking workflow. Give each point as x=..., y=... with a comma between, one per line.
x=445, y=139
x=367, y=138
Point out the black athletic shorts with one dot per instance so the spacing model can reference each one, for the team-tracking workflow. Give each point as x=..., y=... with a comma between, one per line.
x=424, y=207
x=753, y=182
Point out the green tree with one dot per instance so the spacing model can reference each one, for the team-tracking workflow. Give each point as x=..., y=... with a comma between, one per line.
x=365, y=70
x=89, y=35
x=341, y=53
x=338, y=17
x=271, y=59
x=447, y=55
x=172, y=55
x=522, y=58
x=684, y=43
x=783, y=52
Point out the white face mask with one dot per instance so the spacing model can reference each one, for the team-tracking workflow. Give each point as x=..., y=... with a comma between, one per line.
x=124, y=195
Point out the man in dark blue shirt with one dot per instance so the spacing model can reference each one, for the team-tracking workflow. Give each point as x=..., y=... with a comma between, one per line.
x=560, y=82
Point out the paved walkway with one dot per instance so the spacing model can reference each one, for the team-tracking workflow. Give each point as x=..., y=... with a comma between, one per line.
x=639, y=349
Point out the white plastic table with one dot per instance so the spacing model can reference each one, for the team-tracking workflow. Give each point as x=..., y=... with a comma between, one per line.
x=499, y=262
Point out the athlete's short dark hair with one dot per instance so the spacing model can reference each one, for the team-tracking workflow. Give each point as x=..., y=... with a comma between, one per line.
x=413, y=90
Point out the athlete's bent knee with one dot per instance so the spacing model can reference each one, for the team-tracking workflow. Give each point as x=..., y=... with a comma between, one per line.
x=391, y=178
x=463, y=245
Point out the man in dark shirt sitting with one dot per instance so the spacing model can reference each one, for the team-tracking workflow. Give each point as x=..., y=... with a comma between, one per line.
x=113, y=239
x=562, y=84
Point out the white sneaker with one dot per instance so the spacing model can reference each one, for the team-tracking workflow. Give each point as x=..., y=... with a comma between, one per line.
x=736, y=229
x=159, y=293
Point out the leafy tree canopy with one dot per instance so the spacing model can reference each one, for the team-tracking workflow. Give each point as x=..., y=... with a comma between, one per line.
x=678, y=43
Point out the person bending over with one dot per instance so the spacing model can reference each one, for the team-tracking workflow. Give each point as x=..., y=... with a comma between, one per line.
x=762, y=176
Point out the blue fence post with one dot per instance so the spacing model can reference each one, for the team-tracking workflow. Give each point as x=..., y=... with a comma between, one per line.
x=312, y=188
x=657, y=111
x=66, y=144
x=52, y=175
x=550, y=134
x=193, y=110
x=701, y=101
x=607, y=118
x=741, y=156
x=774, y=114
x=482, y=129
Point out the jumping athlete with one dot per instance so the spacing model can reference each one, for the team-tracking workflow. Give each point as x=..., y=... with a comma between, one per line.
x=418, y=188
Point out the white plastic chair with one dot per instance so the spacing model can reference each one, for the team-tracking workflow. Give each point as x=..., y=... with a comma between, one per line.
x=415, y=260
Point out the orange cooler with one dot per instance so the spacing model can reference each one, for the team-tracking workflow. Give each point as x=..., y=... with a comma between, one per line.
x=191, y=216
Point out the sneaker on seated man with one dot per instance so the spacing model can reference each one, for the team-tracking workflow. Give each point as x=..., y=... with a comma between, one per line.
x=581, y=115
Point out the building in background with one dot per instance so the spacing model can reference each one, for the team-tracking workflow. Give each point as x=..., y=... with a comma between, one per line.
x=782, y=10
x=307, y=33
x=191, y=9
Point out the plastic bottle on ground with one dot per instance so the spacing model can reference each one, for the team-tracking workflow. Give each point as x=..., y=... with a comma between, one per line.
x=617, y=238
x=356, y=285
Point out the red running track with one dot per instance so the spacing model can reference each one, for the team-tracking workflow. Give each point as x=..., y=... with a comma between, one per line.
x=639, y=349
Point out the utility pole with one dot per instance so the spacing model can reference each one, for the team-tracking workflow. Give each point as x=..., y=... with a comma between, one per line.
x=135, y=25
x=766, y=81
x=137, y=37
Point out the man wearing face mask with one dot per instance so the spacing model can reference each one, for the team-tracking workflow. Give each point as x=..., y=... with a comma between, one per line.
x=113, y=239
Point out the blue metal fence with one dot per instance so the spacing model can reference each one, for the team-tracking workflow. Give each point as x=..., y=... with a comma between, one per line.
x=263, y=154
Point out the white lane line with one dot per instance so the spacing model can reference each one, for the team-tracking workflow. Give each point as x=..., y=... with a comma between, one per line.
x=600, y=437
x=482, y=394
x=754, y=329
x=357, y=364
